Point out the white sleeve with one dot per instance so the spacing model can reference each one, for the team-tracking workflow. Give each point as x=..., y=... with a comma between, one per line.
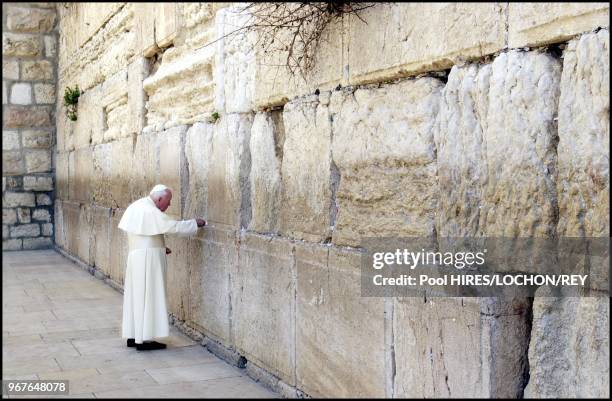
x=183, y=228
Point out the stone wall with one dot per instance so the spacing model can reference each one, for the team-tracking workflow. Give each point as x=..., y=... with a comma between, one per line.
x=29, y=63
x=477, y=119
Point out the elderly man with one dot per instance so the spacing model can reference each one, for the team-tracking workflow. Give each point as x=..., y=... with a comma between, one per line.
x=144, y=298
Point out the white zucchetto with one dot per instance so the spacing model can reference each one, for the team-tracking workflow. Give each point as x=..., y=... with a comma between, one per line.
x=158, y=188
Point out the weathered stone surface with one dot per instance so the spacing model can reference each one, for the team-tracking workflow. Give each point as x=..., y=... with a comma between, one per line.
x=50, y=46
x=47, y=229
x=306, y=170
x=11, y=244
x=137, y=72
x=21, y=93
x=263, y=304
x=80, y=174
x=22, y=19
x=13, y=183
x=228, y=175
x=34, y=183
x=584, y=138
x=333, y=318
x=5, y=231
x=10, y=140
x=569, y=355
x=37, y=243
x=198, y=151
x=37, y=70
x=41, y=215
x=26, y=117
x=145, y=173
x=4, y=93
x=9, y=216
x=62, y=179
x=177, y=283
x=13, y=199
x=36, y=139
x=413, y=44
x=23, y=215
x=84, y=245
x=25, y=230
x=536, y=24
x=121, y=171
x=43, y=200
x=92, y=119
x=44, y=93
x=119, y=247
x=59, y=236
x=460, y=350
x=101, y=238
x=385, y=156
x=170, y=153
x=38, y=161
x=212, y=261
x=266, y=146
x=10, y=69
x=19, y=45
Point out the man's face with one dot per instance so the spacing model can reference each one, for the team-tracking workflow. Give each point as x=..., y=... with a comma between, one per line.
x=164, y=201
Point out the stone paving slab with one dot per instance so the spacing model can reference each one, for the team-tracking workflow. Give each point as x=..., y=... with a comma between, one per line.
x=59, y=322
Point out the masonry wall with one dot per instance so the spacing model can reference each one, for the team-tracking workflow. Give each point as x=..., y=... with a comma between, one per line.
x=449, y=119
x=29, y=62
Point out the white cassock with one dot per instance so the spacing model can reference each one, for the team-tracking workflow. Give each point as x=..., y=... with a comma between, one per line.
x=145, y=314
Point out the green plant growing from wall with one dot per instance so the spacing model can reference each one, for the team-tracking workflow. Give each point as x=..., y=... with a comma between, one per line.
x=214, y=117
x=71, y=99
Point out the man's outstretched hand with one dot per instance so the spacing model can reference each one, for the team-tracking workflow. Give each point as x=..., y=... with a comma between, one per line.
x=201, y=222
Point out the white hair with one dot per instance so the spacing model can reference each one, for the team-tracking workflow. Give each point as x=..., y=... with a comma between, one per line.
x=159, y=194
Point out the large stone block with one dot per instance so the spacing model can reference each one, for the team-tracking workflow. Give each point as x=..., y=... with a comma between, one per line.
x=89, y=128
x=37, y=243
x=37, y=70
x=12, y=162
x=10, y=140
x=25, y=230
x=11, y=244
x=21, y=45
x=22, y=19
x=36, y=139
x=14, y=199
x=111, y=111
x=212, y=262
x=21, y=93
x=266, y=145
x=122, y=171
x=38, y=161
x=101, y=238
x=58, y=219
x=263, y=304
x=84, y=229
x=50, y=46
x=384, y=151
x=459, y=347
x=536, y=24
x=118, y=246
x=569, y=354
x=177, y=277
x=81, y=175
x=10, y=69
x=340, y=343
x=228, y=175
x=27, y=117
x=169, y=144
x=9, y=216
x=306, y=183
x=62, y=177
x=584, y=138
x=44, y=93
x=35, y=183
x=145, y=173
x=198, y=151
x=137, y=72
x=398, y=41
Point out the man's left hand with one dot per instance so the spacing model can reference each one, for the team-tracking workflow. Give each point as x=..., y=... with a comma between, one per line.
x=168, y=251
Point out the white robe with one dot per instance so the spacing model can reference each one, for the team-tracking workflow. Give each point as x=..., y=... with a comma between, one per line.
x=145, y=315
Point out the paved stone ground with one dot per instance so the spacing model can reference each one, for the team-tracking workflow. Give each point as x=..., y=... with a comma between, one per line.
x=59, y=322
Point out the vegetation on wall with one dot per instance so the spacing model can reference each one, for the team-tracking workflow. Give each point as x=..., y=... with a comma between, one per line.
x=71, y=99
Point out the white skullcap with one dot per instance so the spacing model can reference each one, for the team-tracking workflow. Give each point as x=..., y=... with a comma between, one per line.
x=158, y=188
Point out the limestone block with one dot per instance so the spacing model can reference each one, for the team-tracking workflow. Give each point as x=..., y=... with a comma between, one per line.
x=36, y=139
x=212, y=260
x=170, y=152
x=266, y=144
x=5, y=232
x=36, y=70
x=228, y=193
x=11, y=244
x=44, y=93
x=122, y=171
x=89, y=129
x=101, y=191
x=145, y=173
x=275, y=84
x=37, y=183
x=177, y=277
x=81, y=174
x=384, y=151
x=584, y=138
x=47, y=229
x=58, y=219
x=332, y=318
x=43, y=200
x=25, y=230
x=70, y=226
x=23, y=215
x=10, y=69
x=118, y=247
x=12, y=183
x=263, y=304
x=37, y=243
x=144, y=13
x=198, y=152
x=41, y=215
x=21, y=19
x=101, y=220
x=137, y=72
x=10, y=140
x=4, y=93
x=62, y=178
x=9, y=216
x=13, y=199
x=38, y=161
x=569, y=354
x=459, y=349
x=92, y=16
x=166, y=24
x=114, y=107
x=181, y=91
x=85, y=245
x=50, y=46
x=21, y=45
x=397, y=41
x=306, y=170
x=523, y=96
x=21, y=93
x=235, y=64
x=27, y=117
x=536, y=24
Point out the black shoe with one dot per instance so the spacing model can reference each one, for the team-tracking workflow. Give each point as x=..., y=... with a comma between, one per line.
x=131, y=342
x=150, y=346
